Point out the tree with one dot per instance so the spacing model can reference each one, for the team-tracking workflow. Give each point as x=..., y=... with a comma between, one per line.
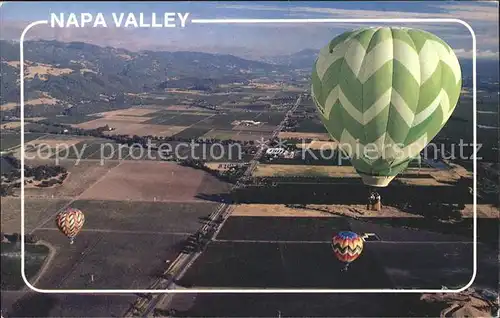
x=31, y=238
x=16, y=237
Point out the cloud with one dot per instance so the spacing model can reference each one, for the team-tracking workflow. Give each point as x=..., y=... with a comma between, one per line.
x=466, y=11
x=486, y=54
x=483, y=18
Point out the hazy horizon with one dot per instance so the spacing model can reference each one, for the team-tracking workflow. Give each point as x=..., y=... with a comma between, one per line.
x=255, y=41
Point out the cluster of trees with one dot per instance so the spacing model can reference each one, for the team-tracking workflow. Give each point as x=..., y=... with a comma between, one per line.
x=51, y=182
x=48, y=175
x=165, y=312
x=231, y=175
x=305, y=114
x=44, y=172
x=195, y=242
x=282, y=100
x=290, y=123
x=16, y=237
x=8, y=189
x=38, y=173
x=204, y=104
x=195, y=163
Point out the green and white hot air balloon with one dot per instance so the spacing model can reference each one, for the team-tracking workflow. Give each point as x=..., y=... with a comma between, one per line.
x=383, y=94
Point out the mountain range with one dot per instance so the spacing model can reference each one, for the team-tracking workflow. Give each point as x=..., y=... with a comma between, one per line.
x=76, y=71
x=486, y=68
x=303, y=59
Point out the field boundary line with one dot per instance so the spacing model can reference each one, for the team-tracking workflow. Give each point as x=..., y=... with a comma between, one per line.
x=46, y=263
x=196, y=123
x=329, y=242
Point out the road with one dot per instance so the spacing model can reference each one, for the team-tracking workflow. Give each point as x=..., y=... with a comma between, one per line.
x=209, y=230
x=255, y=161
x=45, y=266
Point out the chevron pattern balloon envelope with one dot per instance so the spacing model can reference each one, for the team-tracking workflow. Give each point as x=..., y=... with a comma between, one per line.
x=347, y=246
x=384, y=93
x=70, y=222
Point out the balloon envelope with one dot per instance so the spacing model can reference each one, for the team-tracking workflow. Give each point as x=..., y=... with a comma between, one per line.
x=347, y=246
x=383, y=94
x=70, y=222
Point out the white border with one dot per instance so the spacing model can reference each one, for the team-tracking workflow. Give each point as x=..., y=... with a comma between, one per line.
x=267, y=290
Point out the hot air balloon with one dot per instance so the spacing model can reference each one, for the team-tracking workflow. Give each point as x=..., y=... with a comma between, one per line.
x=384, y=93
x=70, y=222
x=347, y=247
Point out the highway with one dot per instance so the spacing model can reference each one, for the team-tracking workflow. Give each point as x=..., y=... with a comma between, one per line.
x=209, y=230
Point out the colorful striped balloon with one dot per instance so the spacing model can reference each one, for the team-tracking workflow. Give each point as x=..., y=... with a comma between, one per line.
x=70, y=222
x=347, y=246
x=384, y=93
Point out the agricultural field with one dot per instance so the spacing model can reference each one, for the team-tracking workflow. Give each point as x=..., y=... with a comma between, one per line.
x=192, y=133
x=318, y=145
x=82, y=174
x=424, y=176
x=136, y=179
x=185, y=124
x=226, y=121
x=151, y=181
x=311, y=126
x=10, y=140
x=135, y=112
x=127, y=205
x=50, y=145
x=70, y=120
x=177, y=119
x=293, y=305
x=275, y=210
x=40, y=128
x=100, y=150
x=239, y=135
x=219, y=134
x=255, y=136
x=131, y=125
x=280, y=250
x=36, y=211
x=112, y=243
x=303, y=135
x=277, y=170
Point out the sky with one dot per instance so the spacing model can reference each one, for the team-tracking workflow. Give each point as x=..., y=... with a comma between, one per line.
x=254, y=40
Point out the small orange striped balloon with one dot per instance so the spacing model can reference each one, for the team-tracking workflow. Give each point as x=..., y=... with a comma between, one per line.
x=70, y=222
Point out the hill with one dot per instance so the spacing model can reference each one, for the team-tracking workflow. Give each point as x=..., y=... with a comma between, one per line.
x=487, y=69
x=76, y=72
x=302, y=59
